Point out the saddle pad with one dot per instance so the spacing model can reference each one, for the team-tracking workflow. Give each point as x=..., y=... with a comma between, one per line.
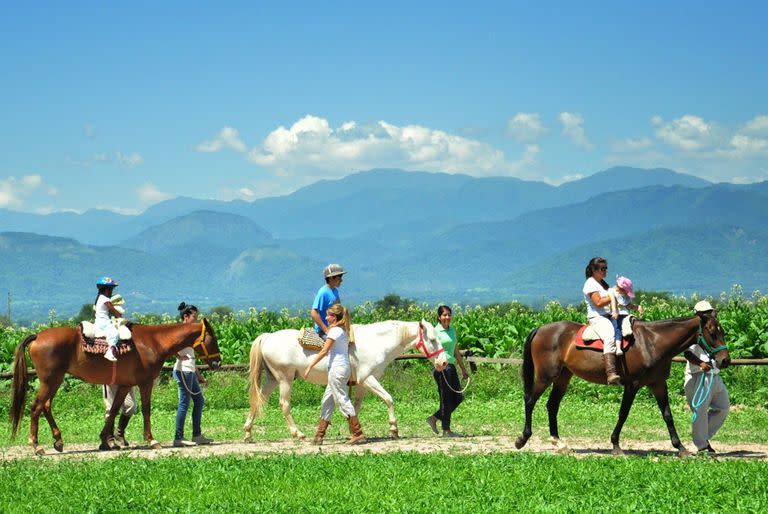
x=99, y=346
x=596, y=344
x=310, y=340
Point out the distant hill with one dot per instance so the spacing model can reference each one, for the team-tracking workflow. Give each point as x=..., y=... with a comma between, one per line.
x=362, y=203
x=433, y=237
x=201, y=229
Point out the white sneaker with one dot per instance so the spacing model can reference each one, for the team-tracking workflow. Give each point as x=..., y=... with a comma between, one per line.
x=110, y=354
x=201, y=439
x=618, y=348
x=182, y=443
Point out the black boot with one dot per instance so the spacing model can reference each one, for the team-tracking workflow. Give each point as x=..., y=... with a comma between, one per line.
x=122, y=424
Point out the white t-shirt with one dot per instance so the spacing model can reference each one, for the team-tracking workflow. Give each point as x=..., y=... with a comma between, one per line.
x=691, y=369
x=102, y=312
x=621, y=302
x=187, y=364
x=591, y=286
x=340, y=350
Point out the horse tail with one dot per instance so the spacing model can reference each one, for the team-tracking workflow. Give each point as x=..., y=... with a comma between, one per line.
x=19, y=387
x=254, y=376
x=528, y=371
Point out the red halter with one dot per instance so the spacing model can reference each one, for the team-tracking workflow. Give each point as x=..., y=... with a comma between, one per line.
x=423, y=347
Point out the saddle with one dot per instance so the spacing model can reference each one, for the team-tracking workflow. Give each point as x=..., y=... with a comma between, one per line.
x=93, y=340
x=310, y=340
x=587, y=338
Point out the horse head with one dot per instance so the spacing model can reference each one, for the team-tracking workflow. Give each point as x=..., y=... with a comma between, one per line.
x=207, y=346
x=430, y=345
x=711, y=339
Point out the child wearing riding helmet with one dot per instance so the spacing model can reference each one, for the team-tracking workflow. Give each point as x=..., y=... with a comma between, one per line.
x=621, y=303
x=104, y=308
x=339, y=370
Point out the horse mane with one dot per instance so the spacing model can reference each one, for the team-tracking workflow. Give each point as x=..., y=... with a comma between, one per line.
x=669, y=321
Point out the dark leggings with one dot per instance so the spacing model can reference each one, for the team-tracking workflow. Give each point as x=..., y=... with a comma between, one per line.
x=449, y=400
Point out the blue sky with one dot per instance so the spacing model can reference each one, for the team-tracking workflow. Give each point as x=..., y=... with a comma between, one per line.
x=120, y=107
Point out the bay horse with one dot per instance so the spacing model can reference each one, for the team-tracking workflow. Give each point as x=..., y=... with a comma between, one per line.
x=57, y=351
x=376, y=345
x=550, y=357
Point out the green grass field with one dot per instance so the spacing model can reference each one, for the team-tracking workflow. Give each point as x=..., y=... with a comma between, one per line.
x=396, y=482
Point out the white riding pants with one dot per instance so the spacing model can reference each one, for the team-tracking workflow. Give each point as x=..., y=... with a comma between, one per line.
x=336, y=392
x=605, y=331
x=110, y=332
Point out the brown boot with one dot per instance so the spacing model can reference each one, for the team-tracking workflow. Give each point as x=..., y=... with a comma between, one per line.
x=355, y=430
x=322, y=426
x=122, y=424
x=610, y=369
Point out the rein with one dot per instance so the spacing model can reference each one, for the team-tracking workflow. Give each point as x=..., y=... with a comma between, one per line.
x=423, y=347
x=200, y=341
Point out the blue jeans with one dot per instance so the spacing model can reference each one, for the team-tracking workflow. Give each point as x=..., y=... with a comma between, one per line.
x=616, y=326
x=190, y=379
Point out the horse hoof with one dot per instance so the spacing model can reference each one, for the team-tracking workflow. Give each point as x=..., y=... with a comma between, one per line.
x=105, y=446
x=300, y=436
x=617, y=452
x=39, y=451
x=58, y=445
x=155, y=445
x=682, y=452
x=520, y=442
x=248, y=439
x=394, y=434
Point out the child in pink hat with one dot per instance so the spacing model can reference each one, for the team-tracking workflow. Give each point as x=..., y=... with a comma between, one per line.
x=621, y=303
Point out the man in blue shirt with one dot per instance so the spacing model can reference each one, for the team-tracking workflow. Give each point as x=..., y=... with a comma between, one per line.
x=326, y=296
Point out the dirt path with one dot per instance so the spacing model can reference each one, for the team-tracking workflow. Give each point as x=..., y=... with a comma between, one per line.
x=453, y=446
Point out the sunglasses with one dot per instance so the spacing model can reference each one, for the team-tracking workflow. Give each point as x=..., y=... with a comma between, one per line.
x=603, y=268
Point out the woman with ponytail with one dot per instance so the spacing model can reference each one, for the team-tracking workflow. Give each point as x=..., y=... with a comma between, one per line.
x=337, y=348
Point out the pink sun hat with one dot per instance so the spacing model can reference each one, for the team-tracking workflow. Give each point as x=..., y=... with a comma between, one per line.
x=625, y=284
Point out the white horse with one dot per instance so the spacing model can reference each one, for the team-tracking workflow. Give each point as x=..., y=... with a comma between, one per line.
x=376, y=345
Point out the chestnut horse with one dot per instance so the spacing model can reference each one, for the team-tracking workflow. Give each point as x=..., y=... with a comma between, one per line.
x=550, y=357
x=56, y=351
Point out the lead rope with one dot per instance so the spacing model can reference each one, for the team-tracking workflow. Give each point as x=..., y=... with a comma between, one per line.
x=181, y=374
x=701, y=395
x=469, y=379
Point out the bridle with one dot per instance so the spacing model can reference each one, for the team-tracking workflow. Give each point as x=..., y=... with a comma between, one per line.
x=200, y=341
x=702, y=342
x=421, y=346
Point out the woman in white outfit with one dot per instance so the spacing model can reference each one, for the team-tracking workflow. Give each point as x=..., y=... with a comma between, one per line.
x=337, y=348
x=598, y=304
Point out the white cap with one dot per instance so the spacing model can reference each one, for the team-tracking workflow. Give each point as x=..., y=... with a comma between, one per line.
x=333, y=270
x=703, y=306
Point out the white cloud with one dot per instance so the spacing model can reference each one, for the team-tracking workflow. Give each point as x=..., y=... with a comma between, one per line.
x=632, y=144
x=121, y=159
x=311, y=146
x=526, y=127
x=757, y=125
x=128, y=160
x=227, y=138
x=572, y=128
x=14, y=192
x=148, y=194
x=687, y=133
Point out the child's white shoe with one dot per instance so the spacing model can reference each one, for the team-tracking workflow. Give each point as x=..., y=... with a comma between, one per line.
x=110, y=354
x=618, y=348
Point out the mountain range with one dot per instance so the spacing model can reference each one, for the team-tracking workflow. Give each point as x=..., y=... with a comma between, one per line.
x=429, y=236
